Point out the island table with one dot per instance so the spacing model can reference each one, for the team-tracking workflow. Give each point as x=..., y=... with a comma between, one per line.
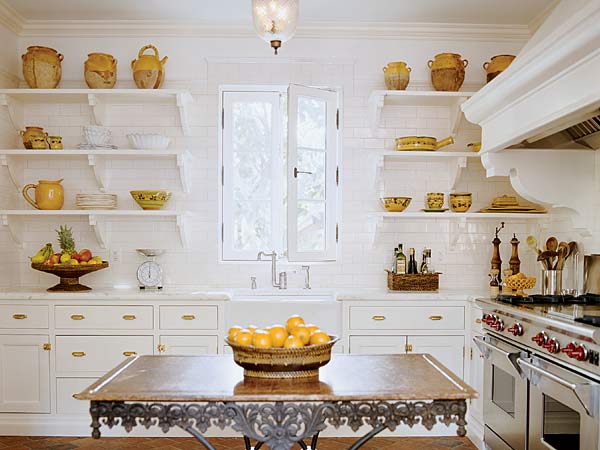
x=195, y=393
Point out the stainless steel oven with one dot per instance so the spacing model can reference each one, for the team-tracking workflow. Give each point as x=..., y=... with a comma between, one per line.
x=563, y=407
x=505, y=394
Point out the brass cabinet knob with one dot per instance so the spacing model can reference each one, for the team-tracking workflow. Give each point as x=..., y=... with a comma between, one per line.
x=477, y=320
x=47, y=346
x=188, y=317
x=378, y=317
x=129, y=317
x=129, y=353
x=436, y=317
x=77, y=317
x=162, y=348
x=78, y=354
x=19, y=316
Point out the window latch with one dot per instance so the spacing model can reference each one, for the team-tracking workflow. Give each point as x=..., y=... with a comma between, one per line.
x=296, y=172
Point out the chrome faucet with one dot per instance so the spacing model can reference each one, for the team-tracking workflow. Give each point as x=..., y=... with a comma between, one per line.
x=282, y=282
x=306, y=270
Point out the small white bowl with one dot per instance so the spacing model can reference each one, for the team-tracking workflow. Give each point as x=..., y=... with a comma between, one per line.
x=96, y=135
x=149, y=141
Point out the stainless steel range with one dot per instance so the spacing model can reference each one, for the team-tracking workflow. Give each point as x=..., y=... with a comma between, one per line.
x=542, y=374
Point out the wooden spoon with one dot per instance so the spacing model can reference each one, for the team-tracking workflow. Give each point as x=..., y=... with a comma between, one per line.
x=533, y=245
x=552, y=246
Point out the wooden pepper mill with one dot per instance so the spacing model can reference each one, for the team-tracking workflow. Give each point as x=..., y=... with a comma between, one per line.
x=496, y=260
x=515, y=262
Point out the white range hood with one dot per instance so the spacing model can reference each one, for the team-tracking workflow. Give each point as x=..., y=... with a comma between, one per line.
x=553, y=83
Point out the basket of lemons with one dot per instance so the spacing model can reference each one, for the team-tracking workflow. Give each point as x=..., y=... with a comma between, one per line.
x=293, y=350
x=519, y=282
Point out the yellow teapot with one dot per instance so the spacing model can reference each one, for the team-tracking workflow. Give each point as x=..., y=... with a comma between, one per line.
x=148, y=70
x=49, y=195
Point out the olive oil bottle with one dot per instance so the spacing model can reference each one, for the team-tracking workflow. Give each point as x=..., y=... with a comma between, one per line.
x=400, y=261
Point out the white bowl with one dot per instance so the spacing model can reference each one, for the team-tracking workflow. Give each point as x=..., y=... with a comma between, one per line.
x=96, y=135
x=149, y=141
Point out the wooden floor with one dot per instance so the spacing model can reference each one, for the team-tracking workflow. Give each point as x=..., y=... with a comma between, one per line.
x=71, y=443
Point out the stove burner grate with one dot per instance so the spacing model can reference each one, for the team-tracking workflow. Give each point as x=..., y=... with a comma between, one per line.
x=537, y=299
x=589, y=320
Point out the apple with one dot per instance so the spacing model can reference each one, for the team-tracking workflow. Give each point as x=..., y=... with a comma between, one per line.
x=76, y=257
x=55, y=258
x=85, y=254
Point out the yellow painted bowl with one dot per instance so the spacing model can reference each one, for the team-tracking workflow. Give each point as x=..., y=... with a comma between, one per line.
x=395, y=204
x=151, y=200
x=461, y=201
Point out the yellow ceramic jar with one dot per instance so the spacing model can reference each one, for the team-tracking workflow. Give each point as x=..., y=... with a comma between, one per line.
x=396, y=75
x=497, y=65
x=461, y=201
x=49, y=195
x=447, y=71
x=42, y=67
x=148, y=70
x=55, y=142
x=100, y=71
x=38, y=142
x=435, y=200
x=29, y=132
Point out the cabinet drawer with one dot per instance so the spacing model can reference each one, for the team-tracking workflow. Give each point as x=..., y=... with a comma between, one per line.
x=188, y=345
x=377, y=345
x=188, y=317
x=81, y=354
x=105, y=317
x=65, y=388
x=407, y=318
x=23, y=316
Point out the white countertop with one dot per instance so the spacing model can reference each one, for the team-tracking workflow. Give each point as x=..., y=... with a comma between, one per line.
x=116, y=294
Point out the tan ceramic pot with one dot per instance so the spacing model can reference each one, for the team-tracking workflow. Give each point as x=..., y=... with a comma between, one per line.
x=396, y=75
x=435, y=200
x=497, y=65
x=55, y=142
x=49, y=195
x=148, y=70
x=461, y=201
x=100, y=71
x=29, y=132
x=42, y=67
x=447, y=71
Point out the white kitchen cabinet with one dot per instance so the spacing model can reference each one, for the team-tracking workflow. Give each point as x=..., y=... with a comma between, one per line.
x=377, y=345
x=65, y=403
x=24, y=374
x=188, y=345
x=448, y=350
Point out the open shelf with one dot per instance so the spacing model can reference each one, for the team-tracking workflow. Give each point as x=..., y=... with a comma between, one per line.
x=13, y=220
x=457, y=216
x=453, y=100
x=13, y=160
x=98, y=99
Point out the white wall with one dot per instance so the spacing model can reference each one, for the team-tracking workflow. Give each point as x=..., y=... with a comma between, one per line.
x=461, y=250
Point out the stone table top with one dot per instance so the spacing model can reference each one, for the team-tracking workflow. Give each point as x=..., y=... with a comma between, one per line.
x=216, y=378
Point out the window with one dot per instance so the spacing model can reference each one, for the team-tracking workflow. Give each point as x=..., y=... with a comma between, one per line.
x=279, y=173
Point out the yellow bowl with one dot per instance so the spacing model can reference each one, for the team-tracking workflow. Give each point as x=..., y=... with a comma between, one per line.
x=151, y=200
x=395, y=204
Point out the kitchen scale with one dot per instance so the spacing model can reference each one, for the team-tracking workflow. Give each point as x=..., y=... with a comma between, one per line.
x=150, y=273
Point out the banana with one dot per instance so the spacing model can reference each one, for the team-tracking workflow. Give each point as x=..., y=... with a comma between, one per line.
x=43, y=254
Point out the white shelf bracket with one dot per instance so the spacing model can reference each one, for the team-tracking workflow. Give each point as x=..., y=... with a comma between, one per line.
x=376, y=102
x=96, y=227
x=183, y=99
x=98, y=107
x=455, y=169
x=98, y=172
x=14, y=230
x=182, y=229
x=456, y=114
x=15, y=111
x=183, y=162
x=14, y=173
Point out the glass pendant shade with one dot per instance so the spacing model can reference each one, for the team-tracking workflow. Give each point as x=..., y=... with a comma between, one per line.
x=275, y=21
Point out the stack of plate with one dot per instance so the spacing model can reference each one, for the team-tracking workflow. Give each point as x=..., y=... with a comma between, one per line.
x=96, y=201
x=508, y=204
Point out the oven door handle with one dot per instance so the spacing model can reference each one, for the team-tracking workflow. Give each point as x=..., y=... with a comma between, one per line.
x=586, y=393
x=486, y=348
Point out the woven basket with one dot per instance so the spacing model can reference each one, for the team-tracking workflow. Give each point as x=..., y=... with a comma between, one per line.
x=420, y=282
x=303, y=362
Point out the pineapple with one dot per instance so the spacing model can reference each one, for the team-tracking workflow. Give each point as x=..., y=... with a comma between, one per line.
x=65, y=240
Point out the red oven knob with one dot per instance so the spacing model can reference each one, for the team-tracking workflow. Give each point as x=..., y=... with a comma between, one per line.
x=516, y=329
x=540, y=338
x=580, y=353
x=552, y=346
x=569, y=349
x=498, y=325
x=488, y=319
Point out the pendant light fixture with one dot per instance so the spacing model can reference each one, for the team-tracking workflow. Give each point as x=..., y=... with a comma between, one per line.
x=275, y=21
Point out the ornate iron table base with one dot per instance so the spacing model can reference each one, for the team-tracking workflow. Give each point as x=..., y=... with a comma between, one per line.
x=278, y=425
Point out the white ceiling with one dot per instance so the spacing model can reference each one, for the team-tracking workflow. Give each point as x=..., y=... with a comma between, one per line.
x=237, y=12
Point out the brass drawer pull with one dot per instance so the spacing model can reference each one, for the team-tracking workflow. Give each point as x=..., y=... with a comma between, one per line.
x=77, y=317
x=188, y=317
x=162, y=348
x=477, y=320
x=19, y=316
x=129, y=353
x=78, y=354
x=129, y=317
x=436, y=317
x=378, y=317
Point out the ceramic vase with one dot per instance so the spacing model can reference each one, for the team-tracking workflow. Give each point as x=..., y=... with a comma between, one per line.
x=497, y=65
x=42, y=67
x=148, y=70
x=396, y=75
x=447, y=71
x=100, y=71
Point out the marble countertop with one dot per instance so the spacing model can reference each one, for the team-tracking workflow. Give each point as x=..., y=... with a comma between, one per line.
x=117, y=294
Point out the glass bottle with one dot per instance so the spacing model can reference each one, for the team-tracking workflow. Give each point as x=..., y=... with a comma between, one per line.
x=400, y=261
x=412, y=263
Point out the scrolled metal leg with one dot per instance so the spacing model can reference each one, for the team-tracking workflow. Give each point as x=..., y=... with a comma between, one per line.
x=247, y=443
x=95, y=420
x=313, y=442
x=367, y=437
x=460, y=421
x=199, y=437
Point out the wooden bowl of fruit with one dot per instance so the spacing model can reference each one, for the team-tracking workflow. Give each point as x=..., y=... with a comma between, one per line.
x=295, y=350
x=68, y=264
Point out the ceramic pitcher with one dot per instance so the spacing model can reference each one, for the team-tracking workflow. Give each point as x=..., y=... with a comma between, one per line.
x=49, y=195
x=447, y=71
x=396, y=75
x=148, y=70
x=100, y=71
x=29, y=132
x=42, y=67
